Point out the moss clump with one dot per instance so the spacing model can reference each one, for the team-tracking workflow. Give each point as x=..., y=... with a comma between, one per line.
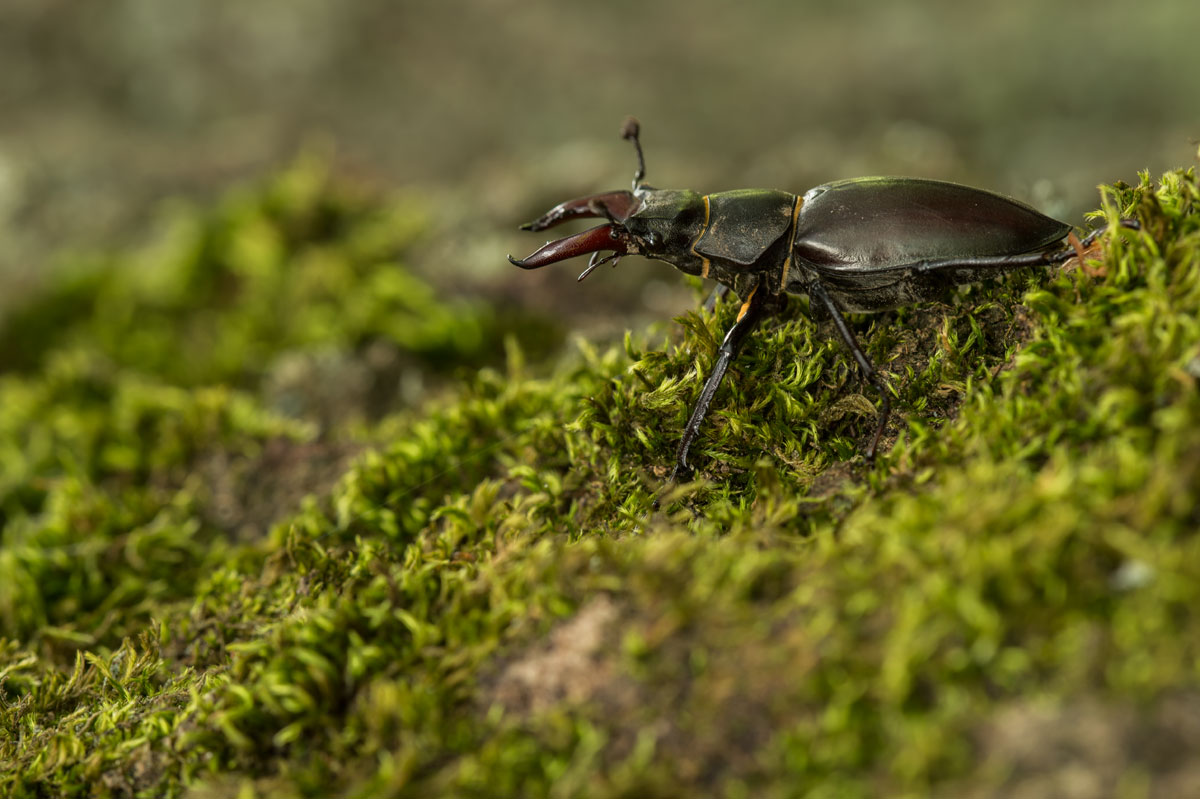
x=299, y=270
x=488, y=604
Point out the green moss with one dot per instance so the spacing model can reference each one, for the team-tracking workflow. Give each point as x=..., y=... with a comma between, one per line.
x=299, y=265
x=488, y=604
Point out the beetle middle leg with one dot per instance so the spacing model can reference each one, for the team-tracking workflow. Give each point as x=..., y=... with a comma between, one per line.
x=757, y=305
x=717, y=295
x=817, y=291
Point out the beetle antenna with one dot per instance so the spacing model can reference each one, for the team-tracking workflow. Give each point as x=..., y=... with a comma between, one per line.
x=629, y=130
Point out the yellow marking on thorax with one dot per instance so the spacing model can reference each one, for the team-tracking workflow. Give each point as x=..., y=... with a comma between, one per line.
x=787, y=264
x=705, y=264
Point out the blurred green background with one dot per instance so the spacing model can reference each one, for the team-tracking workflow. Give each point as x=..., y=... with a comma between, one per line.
x=492, y=110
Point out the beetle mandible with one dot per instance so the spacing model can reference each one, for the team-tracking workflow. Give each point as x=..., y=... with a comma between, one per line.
x=859, y=245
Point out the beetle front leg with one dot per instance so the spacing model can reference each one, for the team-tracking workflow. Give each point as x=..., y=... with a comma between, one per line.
x=817, y=291
x=756, y=306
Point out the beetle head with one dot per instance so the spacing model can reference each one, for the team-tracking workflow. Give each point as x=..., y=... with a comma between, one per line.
x=656, y=223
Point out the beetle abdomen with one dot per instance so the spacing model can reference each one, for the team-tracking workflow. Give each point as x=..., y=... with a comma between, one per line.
x=869, y=224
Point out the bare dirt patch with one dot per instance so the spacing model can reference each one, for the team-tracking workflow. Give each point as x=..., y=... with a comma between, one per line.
x=246, y=495
x=574, y=665
x=1090, y=750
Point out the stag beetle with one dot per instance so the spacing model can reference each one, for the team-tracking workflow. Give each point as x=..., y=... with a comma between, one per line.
x=853, y=246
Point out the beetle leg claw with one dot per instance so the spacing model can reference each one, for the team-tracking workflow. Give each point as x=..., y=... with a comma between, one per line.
x=596, y=261
x=681, y=473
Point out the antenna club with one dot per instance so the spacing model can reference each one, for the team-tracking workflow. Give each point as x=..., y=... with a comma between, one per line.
x=630, y=130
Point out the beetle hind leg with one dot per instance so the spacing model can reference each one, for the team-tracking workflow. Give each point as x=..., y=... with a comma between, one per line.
x=818, y=292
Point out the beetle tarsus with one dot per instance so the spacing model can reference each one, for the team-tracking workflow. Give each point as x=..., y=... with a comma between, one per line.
x=885, y=411
x=682, y=473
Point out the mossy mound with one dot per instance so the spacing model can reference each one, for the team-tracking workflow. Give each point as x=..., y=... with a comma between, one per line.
x=487, y=603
